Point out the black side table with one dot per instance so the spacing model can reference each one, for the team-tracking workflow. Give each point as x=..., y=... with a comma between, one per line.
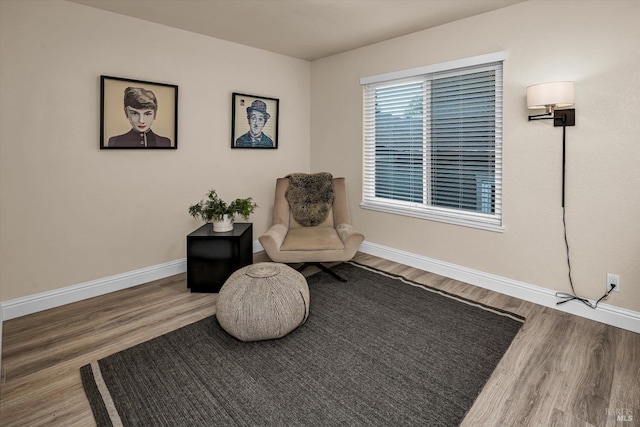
x=212, y=257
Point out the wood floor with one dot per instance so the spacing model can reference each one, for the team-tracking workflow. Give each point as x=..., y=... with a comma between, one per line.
x=561, y=370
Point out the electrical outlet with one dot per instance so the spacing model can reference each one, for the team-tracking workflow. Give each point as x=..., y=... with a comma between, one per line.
x=613, y=279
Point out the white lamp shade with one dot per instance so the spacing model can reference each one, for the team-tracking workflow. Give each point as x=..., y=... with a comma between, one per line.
x=554, y=95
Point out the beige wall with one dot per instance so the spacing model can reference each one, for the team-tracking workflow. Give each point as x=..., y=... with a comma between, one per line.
x=594, y=43
x=71, y=213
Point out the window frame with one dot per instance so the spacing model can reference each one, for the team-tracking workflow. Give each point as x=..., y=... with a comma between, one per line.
x=456, y=216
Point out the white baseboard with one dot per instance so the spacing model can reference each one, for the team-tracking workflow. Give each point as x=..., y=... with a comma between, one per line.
x=257, y=247
x=43, y=301
x=58, y=297
x=605, y=313
x=1, y=317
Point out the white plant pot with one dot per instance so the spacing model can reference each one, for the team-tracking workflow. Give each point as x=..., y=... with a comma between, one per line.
x=222, y=226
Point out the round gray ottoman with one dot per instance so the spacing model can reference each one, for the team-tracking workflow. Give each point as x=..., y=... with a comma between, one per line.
x=263, y=301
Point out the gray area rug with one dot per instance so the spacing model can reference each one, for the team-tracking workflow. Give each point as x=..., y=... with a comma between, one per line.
x=376, y=351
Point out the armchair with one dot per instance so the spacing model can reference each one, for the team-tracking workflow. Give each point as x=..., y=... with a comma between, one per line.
x=298, y=199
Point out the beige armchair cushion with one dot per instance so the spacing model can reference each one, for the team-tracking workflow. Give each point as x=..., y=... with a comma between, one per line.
x=312, y=239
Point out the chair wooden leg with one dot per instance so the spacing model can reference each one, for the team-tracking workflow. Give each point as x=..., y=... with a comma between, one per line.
x=323, y=268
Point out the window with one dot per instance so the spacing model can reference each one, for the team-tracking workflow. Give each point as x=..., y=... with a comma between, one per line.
x=433, y=142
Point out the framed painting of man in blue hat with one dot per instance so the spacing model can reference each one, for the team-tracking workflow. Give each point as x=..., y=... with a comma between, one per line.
x=254, y=121
x=138, y=114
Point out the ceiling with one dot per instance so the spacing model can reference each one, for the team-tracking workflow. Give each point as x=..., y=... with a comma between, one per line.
x=305, y=29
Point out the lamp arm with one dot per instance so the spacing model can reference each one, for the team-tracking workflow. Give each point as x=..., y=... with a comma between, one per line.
x=544, y=116
x=565, y=117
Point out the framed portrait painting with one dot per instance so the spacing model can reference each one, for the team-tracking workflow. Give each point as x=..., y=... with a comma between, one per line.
x=136, y=114
x=254, y=121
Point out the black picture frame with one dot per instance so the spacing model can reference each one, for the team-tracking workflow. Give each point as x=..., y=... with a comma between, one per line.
x=242, y=107
x=117, y=120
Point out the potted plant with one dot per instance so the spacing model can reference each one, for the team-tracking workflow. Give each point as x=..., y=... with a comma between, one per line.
x=220, y=213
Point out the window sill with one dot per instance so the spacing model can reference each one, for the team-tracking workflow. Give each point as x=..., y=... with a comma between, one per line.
x=448, y=216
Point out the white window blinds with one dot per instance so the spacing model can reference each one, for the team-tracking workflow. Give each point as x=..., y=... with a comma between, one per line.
x=433, y=145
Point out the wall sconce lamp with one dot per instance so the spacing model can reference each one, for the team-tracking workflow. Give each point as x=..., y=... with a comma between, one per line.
x=554, y=98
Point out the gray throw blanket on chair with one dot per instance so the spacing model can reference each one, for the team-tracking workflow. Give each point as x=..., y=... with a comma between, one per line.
x=310, y=197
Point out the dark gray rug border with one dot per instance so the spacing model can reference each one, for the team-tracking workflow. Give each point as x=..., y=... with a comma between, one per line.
x=94, y=396
x=447, y=294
